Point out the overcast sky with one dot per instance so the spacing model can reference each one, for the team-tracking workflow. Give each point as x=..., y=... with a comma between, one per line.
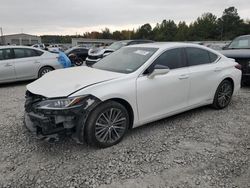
x=78, y=16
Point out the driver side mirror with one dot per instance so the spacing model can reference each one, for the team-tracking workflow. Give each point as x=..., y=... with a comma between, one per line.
x=158, y=70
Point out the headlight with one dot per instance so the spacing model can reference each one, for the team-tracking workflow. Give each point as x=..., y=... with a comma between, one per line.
x=64, y=102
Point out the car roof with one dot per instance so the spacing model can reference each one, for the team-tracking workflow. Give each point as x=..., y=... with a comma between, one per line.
x=242, y=36
x=12, y=46
x=135, y=40
x=78, y=47
x=166, y=45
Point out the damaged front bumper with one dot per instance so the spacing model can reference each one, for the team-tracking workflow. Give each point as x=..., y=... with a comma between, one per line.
x=50, y=123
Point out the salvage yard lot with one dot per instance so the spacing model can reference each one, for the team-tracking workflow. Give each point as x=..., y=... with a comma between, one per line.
x=200, y=148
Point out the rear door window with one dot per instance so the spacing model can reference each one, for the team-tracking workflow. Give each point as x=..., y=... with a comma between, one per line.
x=19, y=53
x=24, y=53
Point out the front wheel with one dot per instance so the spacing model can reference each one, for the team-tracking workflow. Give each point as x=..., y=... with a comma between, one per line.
x=106, y=124
x=223, y=95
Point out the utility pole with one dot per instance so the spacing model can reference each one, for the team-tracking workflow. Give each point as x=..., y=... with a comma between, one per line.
x=1, y=31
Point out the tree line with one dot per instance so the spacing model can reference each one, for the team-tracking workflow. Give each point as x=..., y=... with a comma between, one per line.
x=205, y=27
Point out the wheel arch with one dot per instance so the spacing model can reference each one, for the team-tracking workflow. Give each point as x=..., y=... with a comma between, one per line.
x=43, y=66
x=229, y=79
x=215, y=100
x=128, y=107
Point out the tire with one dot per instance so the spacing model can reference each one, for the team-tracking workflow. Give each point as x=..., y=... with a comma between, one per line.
x=44, y=70
x=223, y=95
x=78, y=62
x=99, y=129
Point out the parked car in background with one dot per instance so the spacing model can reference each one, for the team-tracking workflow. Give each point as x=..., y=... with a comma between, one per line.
x=25, y=63
x=54, y=48
x=40, y=46
x=133, y=86
x=97, y=54
x=239, y=49
x=77, y=55
x=216, y=46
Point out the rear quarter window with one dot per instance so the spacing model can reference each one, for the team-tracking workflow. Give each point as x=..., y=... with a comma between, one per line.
x=213, y=57
x=38, y=52
x=197, y=56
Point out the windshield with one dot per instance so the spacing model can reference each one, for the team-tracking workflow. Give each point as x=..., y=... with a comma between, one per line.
x=117, y=45
x=240, y=43
x=125, y=60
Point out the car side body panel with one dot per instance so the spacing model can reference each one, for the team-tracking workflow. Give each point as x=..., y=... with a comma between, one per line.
x=120, y=88
x=162, y=94
x=7, y=70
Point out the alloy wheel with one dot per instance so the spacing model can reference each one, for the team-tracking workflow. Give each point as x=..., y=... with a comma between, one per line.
x=225, y=94
x=45, y=71
x=110, y=125
x=78, y=62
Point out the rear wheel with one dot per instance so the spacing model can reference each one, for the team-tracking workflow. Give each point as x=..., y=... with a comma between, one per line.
x=44, y=70
x=107, y=124
x=78, y=61
x=223, y=94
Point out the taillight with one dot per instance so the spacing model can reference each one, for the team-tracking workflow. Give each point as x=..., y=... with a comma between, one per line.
x=238, y=66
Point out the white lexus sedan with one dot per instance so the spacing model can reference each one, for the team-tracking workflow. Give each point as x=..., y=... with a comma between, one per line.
x=25, y=63
x=132, y=86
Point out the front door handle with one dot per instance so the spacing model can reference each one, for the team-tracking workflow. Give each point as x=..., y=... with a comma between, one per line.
x=183, y=76
x=8, y=65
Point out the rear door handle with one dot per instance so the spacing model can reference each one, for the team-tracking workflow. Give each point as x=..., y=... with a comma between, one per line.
x=183, y=76
x=217, y=69
x=8, y=65
x=36, y=62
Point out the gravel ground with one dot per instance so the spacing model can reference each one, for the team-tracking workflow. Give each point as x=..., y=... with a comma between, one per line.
x=199, y=148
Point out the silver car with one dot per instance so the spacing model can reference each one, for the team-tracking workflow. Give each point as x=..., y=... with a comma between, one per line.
x=24, y=63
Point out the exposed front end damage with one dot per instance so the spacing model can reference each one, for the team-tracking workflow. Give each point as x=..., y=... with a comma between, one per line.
x=46, y=122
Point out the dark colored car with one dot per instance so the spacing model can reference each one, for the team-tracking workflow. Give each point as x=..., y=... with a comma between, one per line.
x=97, y=54
x=77, y=55
x=239, y=49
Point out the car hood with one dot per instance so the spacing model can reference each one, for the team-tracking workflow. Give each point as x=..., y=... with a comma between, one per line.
x=236, y=53
x=64, y=82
